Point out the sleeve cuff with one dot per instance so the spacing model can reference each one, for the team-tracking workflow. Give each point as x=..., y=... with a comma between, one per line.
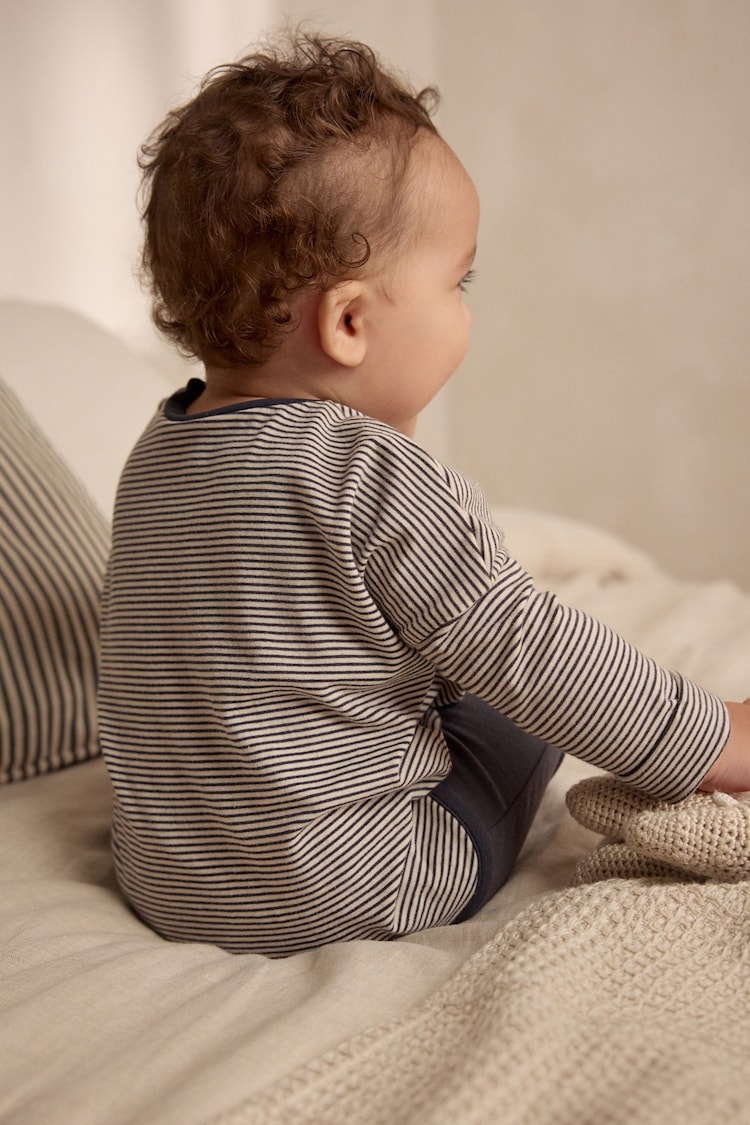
x=692, y=742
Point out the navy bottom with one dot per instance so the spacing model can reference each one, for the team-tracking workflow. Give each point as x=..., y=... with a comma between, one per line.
x=497, y=781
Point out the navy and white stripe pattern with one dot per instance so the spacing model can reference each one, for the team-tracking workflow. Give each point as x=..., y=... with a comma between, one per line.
x=53, y=548
x=292, y=590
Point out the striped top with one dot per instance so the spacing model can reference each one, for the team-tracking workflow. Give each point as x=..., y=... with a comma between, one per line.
x=292, y=591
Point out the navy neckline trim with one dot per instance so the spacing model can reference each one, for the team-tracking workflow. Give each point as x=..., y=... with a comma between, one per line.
x=177, y=404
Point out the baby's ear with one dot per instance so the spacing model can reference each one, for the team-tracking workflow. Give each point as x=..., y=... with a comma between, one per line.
x=341, y=323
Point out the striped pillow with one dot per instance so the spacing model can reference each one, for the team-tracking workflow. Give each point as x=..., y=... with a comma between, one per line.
x=53, y=546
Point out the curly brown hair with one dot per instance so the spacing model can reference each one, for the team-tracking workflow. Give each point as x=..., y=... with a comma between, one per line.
x=282, y=173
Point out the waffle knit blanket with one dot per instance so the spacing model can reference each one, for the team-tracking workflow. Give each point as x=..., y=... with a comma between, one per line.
x=618, y=1001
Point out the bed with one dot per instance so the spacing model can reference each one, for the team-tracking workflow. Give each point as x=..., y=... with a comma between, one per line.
x=621, y=999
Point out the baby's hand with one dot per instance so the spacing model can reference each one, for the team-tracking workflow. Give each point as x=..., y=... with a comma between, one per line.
x=730, y=773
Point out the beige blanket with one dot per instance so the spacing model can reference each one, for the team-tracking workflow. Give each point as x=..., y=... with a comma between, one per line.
x=615, y=1002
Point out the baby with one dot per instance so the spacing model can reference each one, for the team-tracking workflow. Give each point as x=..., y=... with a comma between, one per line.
x=330, y=699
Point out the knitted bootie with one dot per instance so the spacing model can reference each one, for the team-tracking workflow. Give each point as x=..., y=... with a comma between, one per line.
x=705, y=836
x=619, y=861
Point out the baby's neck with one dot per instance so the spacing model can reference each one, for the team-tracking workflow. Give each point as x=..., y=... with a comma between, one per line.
x=292, y=371
x=228, y=386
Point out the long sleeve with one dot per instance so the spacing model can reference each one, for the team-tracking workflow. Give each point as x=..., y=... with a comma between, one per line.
x=569, y=679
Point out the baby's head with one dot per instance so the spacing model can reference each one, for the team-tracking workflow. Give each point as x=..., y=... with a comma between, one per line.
x=287, y=172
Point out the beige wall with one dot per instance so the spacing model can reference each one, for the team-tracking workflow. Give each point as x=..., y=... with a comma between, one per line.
x=608, y=377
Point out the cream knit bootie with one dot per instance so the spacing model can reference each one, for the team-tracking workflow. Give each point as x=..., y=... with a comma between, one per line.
x=706, y=836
